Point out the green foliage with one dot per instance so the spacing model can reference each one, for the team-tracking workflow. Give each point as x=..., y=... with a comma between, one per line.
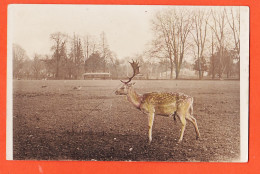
x=95, y=63
x=203, y=65
x=230, y=64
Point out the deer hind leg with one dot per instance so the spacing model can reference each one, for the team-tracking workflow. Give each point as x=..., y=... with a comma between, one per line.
x=183, y=122
x=194, y=122
x=150, y=124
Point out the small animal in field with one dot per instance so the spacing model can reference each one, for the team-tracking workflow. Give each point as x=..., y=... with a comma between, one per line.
x=77, y=88
x=159, y=103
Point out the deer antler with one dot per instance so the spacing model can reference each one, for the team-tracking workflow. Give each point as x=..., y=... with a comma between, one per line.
x=135, y=68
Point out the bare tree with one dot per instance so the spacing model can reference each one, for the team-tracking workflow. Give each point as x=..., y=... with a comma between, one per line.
x=199, y=34
x=171, y=27
x=213, y=63
x=19, y=58
x=113, y=64
x=159, y=51
x=88, y=48
x=76, y=58
x=37, y=66
x=164, y=63
x=219, y=28
x=104, y=50
x=59, y=52
x=233, y=19
x=49, y=66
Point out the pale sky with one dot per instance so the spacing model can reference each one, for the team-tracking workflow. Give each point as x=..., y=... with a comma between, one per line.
x=127, y=28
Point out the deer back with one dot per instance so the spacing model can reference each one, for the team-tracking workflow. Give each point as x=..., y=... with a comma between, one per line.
x=165, y=103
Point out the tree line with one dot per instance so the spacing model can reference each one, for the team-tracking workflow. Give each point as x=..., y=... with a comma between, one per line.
x=210, y=36
x=71, y=57
x=205, y=40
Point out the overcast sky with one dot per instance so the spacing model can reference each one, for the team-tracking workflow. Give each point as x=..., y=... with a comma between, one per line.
x=127, y=28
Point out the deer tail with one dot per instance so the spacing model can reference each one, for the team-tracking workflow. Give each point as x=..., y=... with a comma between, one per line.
x=174, y=116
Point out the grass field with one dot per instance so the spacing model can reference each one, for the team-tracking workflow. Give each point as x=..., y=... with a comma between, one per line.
x=56, y=122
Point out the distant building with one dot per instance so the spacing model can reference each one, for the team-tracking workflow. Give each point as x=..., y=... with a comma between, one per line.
x=95, y=76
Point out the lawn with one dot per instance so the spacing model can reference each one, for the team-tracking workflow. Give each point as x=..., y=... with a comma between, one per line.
x=54, y=121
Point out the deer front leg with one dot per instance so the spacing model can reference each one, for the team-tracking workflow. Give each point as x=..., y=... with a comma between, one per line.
x=150, y=124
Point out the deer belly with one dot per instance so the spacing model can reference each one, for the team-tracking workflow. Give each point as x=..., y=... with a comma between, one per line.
x=165, y=109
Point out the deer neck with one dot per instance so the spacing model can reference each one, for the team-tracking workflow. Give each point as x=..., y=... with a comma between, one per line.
x=134, y=98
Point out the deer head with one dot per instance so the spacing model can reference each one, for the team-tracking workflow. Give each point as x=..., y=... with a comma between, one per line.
x=123, y=90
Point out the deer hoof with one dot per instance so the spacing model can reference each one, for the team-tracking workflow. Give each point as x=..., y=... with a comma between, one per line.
x=150, y=141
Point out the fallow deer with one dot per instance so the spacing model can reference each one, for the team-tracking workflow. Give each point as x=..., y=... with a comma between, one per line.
x=159, y=103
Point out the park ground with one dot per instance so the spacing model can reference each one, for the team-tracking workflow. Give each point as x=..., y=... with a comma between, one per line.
x=54, y=121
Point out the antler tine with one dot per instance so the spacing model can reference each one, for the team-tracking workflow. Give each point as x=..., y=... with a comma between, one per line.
x=123, y=82
x=135, y=68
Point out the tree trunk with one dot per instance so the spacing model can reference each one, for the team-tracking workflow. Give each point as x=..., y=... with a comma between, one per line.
x=199, y=65
x=220, y=75
x=171, y=75
x=177, y=73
